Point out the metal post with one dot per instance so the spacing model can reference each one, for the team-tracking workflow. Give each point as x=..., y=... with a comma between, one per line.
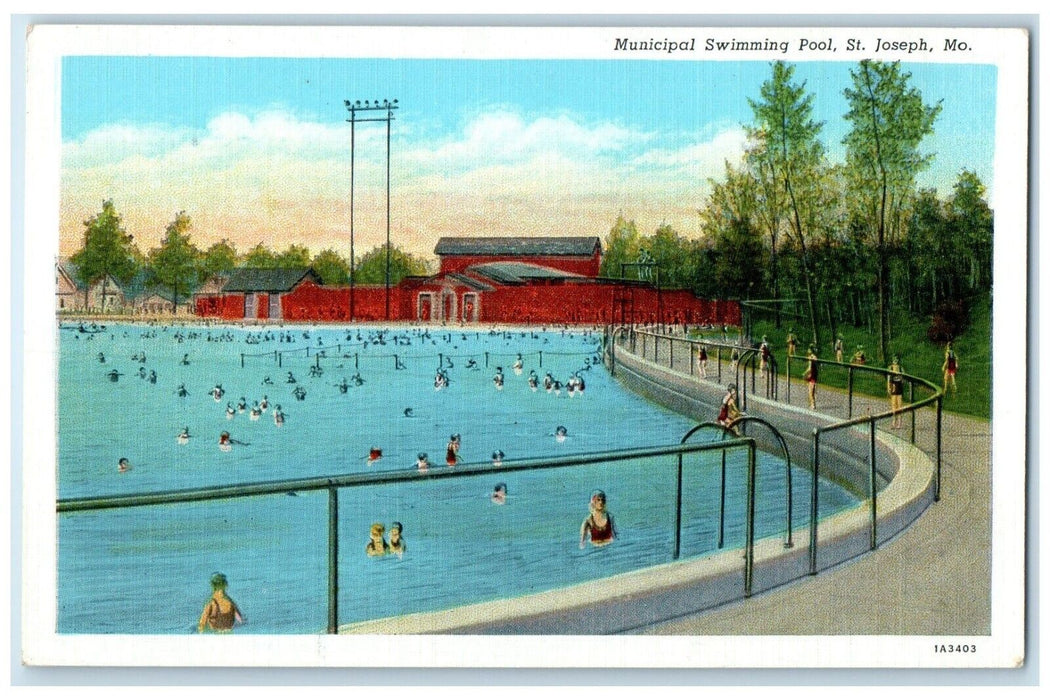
x=749, y=546
x=389, y=117
x=692, y=357
x=678, y=511
x=940, y=408
x=813, y=504
x=911, y=400
x=353, y=123
x=670, y=353
x=873, y=542
x=541, y=352
x=722, y=505
x=787, y=376
x=333, y=561
x=280, y=359
x=355, y=360
x=242, y=360
x=486, y=360
x=849, y=391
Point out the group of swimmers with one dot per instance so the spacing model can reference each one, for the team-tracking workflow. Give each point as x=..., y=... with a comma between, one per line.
x=379, y=546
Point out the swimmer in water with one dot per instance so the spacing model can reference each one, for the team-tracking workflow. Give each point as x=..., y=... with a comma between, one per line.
x=123, y=465
x=518, y=364
x=225, y=443
x=557, y=387
x=242, y=405
x=560, y=433
x=185, y=360
x=397, y=543
x=264, y=405
x=548, y=382
x=374, y=455
x=377, y=545
x=497, y=380
x=599, y=523
x=299, y=393
x=422, y=463
x=220, y=613
x=534, y=381
x=152, y=378
x=497, y=458
x=217, y=392
x=291, y=379
x=267, y=381
x=230, y=411
x=342, y=386
x=472, y=364
x=182, y=392
x=255, y=412
x=452, y=450
x=183, y=437
x=499, y=494
x=278, y=416
x=102, y=358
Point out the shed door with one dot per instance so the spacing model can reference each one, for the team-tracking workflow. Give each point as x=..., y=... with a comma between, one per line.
x=275, y=306
x=250, y=303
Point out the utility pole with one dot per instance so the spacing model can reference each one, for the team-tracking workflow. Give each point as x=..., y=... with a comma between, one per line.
x=369, y=106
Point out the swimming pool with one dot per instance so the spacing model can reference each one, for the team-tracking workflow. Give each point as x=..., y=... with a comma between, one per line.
x=155, y=561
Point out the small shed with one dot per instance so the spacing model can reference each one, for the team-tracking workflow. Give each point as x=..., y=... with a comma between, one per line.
x=263, y=288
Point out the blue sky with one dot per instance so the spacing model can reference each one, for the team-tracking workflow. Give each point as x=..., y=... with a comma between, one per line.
x=257, y=149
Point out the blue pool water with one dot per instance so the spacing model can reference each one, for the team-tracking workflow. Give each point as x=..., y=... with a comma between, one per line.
x=146, y=570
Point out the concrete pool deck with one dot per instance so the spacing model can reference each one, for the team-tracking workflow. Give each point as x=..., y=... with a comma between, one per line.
x=934, y=578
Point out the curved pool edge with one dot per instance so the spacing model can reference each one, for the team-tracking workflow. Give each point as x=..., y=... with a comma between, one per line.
x=637, y=599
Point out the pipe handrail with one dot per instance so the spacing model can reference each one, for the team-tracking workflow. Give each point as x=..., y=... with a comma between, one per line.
x=278, y=487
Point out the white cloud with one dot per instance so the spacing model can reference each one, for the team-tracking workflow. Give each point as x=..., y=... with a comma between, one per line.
x=280, y=179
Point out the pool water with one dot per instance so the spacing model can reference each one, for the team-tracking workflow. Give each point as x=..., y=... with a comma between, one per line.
x=146, y=570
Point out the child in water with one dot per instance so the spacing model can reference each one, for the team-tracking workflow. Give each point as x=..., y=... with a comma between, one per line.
x=396, y=544
x=183, y=437
x=374, y=455
x=123, y=465
x=377, y=545
x=499, y=494
x=599, y=523
x=452, y=450
x=422, y=463
x=220, y=613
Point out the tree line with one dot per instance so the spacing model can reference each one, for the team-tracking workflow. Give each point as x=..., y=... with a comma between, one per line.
x=843, y=240
x=180, y=266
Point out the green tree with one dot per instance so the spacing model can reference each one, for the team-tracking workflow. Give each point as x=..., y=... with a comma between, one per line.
x=971, y=223
x=889, y=120
x=371, y=269
x=294, y=256
x=108, y=251
x=219, y=259
x=787, y=133
x=260, y=256
x=176, y=263
x=332, y=267
x=622, y=245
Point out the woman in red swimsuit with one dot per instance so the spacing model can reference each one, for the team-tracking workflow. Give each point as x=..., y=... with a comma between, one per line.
x=599, y=523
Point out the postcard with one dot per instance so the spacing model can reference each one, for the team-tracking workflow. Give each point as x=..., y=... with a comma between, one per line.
x=607, y=347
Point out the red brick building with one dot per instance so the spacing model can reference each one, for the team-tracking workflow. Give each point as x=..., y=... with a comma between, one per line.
x=481, y=280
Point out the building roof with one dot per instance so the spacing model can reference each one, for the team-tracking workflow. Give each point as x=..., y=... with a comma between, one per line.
x=257, y=279
x=561, y=245
x=476, y=285
x=519, y=272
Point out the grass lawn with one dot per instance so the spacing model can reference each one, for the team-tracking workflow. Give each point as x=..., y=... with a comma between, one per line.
x=919, y=357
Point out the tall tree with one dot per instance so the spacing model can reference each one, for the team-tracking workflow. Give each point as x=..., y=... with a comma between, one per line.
x=331, y=267
x=769, y=206
x=260, y=256
x=219, y=259
x=971, y=219
x=889, y=120
x=371, y=268
x=622, y=245
x=108, y=251
x=294, y=256
x=176, y=263
x=784, y=122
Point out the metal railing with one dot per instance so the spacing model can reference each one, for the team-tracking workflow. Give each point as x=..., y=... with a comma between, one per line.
x=332, y=484
x=746, y=361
